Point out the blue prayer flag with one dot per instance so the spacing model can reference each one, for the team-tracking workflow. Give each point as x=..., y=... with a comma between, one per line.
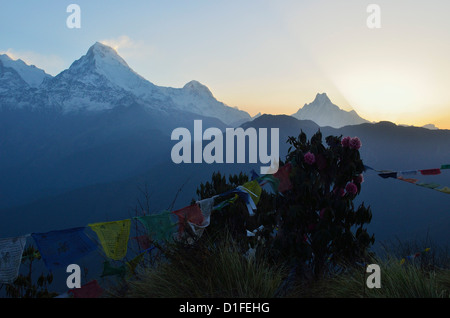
x=62, y=248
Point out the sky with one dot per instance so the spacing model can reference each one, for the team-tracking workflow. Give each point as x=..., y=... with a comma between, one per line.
x=260, y=56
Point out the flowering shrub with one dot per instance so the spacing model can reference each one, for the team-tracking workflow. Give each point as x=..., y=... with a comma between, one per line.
x=314, y=222
x=318, y=223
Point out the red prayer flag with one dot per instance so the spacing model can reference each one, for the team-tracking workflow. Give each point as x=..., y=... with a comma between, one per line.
x=283, y=175
x=143, y=241
x=410, y=180
x=90, y=290
x=430, y=172
x=191, y=213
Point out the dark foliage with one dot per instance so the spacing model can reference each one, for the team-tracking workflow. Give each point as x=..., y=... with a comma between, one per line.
x=315, y=224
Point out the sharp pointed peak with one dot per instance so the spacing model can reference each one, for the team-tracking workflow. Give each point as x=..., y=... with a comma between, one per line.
x=322, y=98
x=101, y=46
x=100, y=56
x=102, y=50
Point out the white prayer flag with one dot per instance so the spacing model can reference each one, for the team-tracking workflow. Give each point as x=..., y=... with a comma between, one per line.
x=206, y=207
x=11, y=250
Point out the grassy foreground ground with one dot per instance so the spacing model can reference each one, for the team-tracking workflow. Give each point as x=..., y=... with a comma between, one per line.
x=224, y=272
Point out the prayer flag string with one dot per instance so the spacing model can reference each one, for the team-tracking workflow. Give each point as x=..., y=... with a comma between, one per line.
x=403, y=176
x=59, y=248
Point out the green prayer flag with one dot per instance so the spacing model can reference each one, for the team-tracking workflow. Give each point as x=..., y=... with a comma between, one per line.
x=445, y=167
x=429, y=185
x=159, y=226
x=109, y=270
x=274, y=182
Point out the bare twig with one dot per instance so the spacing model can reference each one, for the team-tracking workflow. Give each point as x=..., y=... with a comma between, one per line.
x=176, y=196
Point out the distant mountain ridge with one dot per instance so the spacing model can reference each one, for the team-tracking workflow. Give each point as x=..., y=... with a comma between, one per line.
x=32, y=75
x=324, y=113
x=384, y=146
x=102, y=80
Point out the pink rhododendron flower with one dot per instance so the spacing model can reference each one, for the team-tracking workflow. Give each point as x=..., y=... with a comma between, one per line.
x=354, y=143
x=310, y=158
x=339, y=191
x=351, y=188
x=359, y=179
x=345, y=142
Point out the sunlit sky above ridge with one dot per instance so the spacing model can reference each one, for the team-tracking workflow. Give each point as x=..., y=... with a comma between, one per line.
x=261, y=56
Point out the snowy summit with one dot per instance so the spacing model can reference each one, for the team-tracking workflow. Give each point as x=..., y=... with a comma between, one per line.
x=324, y=113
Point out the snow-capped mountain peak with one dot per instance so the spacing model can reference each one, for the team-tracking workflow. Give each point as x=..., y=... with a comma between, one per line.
x=105, y=55
x=324, y=113
x=321, y=103
x=197, y=98
x=321, y=99
x=198, y=88
x=103, y=60
x=32, y=75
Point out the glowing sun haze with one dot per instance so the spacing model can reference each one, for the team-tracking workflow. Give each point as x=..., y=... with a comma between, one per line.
x=259, y=55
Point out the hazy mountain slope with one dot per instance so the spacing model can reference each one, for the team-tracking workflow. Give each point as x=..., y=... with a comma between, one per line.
x=113, y=200
x=49, y=153
x=399, y=209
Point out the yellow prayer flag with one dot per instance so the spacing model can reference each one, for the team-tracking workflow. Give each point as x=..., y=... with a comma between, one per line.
x=445, y=190
x=113, y=237
x=254, y=189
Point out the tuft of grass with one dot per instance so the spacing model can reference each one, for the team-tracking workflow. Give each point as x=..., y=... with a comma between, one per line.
x=218, y=270
x=438, y=257
x=397, y=281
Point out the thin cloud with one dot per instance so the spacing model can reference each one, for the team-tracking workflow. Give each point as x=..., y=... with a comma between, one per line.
x=122, y=42
x=129, y=48
x=137, y=54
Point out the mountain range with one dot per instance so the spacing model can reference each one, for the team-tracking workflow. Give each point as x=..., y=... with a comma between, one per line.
x=79, y=147
x=101, y=80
